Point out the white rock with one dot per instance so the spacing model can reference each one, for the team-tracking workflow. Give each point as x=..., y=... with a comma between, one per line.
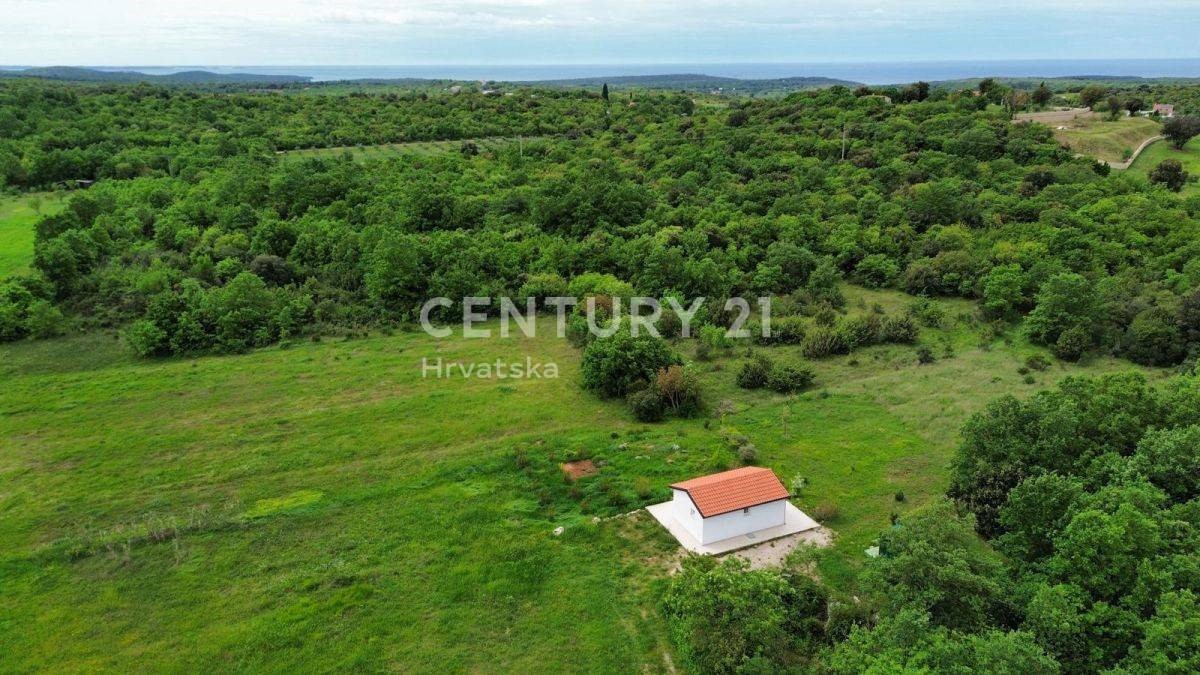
x=558, y=530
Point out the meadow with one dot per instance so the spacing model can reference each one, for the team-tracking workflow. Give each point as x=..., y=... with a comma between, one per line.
x=1156, y=153
x=1106, y=140
x=17, y=216
x=244, y=512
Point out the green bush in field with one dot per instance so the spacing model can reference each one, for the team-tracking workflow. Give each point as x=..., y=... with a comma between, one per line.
x=646, y=405
x=861, y=330
x=618, y=364
x=788, y=378
x=755, y=373
x=898, y=329
x=823, y=341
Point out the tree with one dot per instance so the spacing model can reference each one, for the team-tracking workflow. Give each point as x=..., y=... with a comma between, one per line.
x=604, y=92
x=1172, y=637
x=1169, y=459
x=1134, y=104
x=1042, y=95
x=1065, y=301
x=723, y=616
x=932, y=561
x=1114, y=106
x=907, y=643
x=1091, y=95
x=1170, y=174
x=1179, y=130
x=620, y=363
x=1003, y=291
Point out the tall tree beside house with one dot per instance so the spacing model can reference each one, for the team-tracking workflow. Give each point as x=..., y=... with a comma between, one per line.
x=1134, y=104
x=1180, y=130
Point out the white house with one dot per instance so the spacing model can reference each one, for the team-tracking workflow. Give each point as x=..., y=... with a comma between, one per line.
x=730, y=510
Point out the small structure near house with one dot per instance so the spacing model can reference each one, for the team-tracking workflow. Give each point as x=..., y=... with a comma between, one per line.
x=730, y=510
x=1163, y=110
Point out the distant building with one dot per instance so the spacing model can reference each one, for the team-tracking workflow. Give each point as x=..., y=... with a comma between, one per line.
x=1164, y=110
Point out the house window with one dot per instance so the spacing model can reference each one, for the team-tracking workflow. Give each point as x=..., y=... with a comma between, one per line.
x=746, y=511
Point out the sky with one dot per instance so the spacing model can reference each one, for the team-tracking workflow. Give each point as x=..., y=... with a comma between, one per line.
x=367, y=32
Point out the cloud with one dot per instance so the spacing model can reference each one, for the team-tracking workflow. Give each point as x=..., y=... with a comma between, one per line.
x=374, y=31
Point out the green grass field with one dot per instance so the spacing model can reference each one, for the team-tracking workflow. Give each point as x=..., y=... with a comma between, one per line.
x=1163, y=150
x=364, y=153
x=1105, y=140
x=17, y=216
x=242, y=513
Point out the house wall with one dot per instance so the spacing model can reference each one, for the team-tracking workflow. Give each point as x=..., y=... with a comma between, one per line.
x=740, y=522
x=687, y=514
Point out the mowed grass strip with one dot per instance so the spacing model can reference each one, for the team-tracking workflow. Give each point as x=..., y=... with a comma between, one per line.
x=1163, y=150
x=422, y=148
x=248, y=511
x=17, y=217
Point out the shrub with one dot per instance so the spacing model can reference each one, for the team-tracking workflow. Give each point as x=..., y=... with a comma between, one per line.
x=615, y=365
x=146, y=339
x=860, y=331
x=1072, y=343
x=925, y=355
x=647, y=405
x=44, y=320
x=714, y=337
x=747, y=454
x=823, y=341
x=1154, y=338
x=826, y=512
x=786, y=330
x=755, y=373
x=898, y=329
x=679, y=389
x=926, y=311
x=877, y=270
x=542, y=286
x=1037, y=362
x=787, y=378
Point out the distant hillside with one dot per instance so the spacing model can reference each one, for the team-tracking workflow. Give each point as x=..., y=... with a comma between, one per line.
x=186, y=77
x=1070, y=82
x=698, y=82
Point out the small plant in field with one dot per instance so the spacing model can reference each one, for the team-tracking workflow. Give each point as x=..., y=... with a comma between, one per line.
x=826, y=512
x=900, y=495
x=925, y=355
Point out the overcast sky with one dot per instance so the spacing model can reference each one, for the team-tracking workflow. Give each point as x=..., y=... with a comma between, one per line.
x=362, y=32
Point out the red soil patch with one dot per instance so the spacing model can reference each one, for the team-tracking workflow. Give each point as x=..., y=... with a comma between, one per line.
x=579, y=469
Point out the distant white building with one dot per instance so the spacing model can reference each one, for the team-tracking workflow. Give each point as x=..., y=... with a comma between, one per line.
x=730, y=510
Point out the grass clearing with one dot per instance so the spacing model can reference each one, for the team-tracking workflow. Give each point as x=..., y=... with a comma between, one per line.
x=243, y=512
x=17, y=215
x=1106, y=140
x=364, y=153
x=1163, y=150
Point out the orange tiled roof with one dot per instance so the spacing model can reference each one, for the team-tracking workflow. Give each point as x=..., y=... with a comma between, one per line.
x=732, y=490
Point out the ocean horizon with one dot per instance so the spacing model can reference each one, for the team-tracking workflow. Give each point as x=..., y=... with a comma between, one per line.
x=874, y=73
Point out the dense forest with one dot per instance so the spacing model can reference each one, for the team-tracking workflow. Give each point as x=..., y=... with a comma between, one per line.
x=213, y=241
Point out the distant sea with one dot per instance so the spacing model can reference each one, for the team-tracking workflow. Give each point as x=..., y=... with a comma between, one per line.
x=868, y=72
